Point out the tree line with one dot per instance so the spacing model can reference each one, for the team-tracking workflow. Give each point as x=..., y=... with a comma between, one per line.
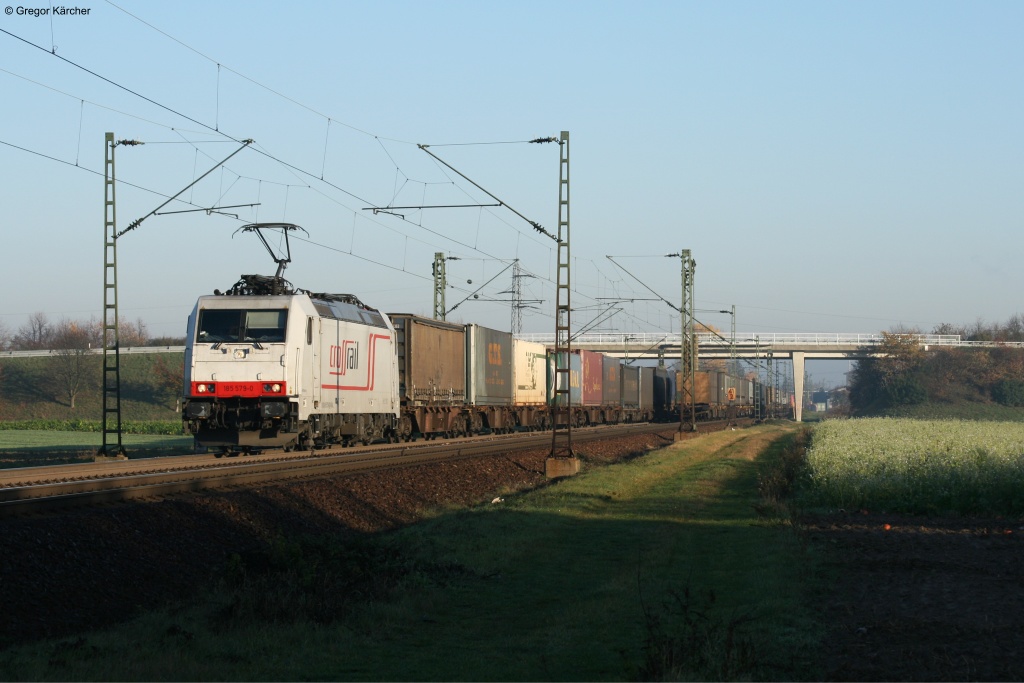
x=905, y=374
x=40, y=333
x=1010, y=331
x=73, y=368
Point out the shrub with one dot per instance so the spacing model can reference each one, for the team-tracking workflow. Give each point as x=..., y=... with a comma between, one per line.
x=1009, y=392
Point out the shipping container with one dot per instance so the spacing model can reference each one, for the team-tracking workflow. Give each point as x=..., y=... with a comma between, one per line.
x=489, y=368
x=630, y=386
x=728, y=390
x=611, y=387
x=705, y=387
x=529, y=364
x=647, y=388
x=592, y=365
x=664, y=391
x=575, y=371
x=431, y=360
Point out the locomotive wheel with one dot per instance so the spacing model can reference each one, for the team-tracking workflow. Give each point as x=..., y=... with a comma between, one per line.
x=405, y=428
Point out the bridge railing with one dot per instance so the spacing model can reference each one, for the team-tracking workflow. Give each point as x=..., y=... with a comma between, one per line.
x=771, y=339
x=92, y=351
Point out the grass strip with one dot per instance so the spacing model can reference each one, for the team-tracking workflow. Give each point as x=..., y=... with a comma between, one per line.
x=659, y=568
x=162, y=427
x=36, y=447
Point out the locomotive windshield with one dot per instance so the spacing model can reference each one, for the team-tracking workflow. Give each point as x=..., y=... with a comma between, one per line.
x=239, y=325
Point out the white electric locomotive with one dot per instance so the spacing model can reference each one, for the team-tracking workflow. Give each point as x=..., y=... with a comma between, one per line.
x=269, y=366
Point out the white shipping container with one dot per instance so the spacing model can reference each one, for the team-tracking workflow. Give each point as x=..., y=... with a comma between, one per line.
x=529, y=364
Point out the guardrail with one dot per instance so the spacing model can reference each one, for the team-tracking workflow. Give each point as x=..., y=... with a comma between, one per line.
x=653, y=340
x=130, y=349
x=771, y=339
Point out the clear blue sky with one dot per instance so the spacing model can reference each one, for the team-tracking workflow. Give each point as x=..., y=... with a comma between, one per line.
x=834, y=167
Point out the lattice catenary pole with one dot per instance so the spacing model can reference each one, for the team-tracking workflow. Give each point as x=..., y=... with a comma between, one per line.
x=440, y=283
x=688, y=347
x=111, y=344
x=561, y=433
x=517, y=298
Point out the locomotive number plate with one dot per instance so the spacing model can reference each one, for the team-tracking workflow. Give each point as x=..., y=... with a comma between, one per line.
x=238, y=388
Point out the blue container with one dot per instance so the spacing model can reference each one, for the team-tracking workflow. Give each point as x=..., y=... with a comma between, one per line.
x=575, y=365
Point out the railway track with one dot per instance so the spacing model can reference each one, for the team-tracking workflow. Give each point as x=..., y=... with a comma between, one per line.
x=46, y=489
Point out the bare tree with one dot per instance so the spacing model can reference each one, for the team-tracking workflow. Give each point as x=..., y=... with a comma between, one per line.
x=132, y=334
x=1013, y=330
x=951, y=329
x=35, y=334
x=5, y=337
x=73, y=367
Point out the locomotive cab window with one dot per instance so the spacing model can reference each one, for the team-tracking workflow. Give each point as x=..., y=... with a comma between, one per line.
x=237, y=325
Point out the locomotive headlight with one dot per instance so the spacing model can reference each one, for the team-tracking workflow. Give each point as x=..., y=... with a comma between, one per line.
x=276, y=388
x=201, y=388
x=272, y=388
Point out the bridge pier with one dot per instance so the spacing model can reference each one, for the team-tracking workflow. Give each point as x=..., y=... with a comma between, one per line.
x=798, y=385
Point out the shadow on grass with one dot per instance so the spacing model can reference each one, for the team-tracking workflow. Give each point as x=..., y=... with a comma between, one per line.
x=589, y=587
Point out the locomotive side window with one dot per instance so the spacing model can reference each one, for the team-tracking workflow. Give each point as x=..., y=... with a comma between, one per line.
x=236, y=325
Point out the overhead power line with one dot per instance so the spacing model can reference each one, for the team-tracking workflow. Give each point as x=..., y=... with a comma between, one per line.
x=214, y=129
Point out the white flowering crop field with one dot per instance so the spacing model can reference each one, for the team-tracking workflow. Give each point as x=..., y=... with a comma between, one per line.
x=917, y=466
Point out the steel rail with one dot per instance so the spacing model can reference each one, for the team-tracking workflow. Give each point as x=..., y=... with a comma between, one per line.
x=119, y=487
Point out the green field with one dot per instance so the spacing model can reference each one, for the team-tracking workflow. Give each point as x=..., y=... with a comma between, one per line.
x=920, y=466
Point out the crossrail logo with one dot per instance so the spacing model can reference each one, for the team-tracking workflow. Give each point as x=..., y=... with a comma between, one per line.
x=345, y=357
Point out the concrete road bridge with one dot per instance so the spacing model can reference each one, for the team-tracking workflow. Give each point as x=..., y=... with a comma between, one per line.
x=794, y=346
